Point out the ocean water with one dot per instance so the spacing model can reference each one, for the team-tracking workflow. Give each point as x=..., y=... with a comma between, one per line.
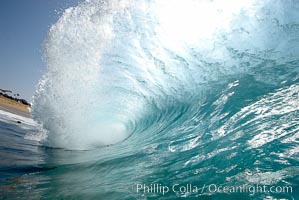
x=160, y=100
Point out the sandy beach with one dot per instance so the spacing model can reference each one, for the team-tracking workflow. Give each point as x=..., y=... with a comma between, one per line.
x=14, y=107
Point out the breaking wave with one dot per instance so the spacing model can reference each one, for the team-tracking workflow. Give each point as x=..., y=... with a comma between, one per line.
x=188, y=72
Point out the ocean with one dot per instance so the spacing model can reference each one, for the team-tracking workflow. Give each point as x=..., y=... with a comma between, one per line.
x=158, y=100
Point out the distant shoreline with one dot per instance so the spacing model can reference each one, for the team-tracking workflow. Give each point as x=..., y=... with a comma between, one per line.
x=14, y=107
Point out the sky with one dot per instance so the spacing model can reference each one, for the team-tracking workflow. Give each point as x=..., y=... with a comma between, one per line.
x=24, y=25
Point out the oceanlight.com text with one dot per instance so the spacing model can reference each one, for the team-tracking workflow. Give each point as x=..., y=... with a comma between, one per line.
x=183, y=189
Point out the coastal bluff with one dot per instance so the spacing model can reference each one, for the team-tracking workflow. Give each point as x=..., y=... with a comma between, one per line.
x=14, y=105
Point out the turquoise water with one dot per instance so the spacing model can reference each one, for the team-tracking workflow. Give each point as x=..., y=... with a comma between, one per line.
x=151, y=100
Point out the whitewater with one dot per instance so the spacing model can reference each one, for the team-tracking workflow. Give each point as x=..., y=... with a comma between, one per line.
x=157, y=93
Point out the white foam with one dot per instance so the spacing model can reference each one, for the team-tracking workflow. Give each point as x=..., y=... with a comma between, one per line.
x=13, y=118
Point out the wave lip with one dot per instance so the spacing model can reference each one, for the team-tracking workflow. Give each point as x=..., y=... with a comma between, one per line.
x=69, y=102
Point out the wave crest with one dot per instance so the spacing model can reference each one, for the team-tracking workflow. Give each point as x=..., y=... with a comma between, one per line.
x=111, y=65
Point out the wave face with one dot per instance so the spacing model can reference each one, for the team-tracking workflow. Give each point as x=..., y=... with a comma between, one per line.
x=189, y=73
